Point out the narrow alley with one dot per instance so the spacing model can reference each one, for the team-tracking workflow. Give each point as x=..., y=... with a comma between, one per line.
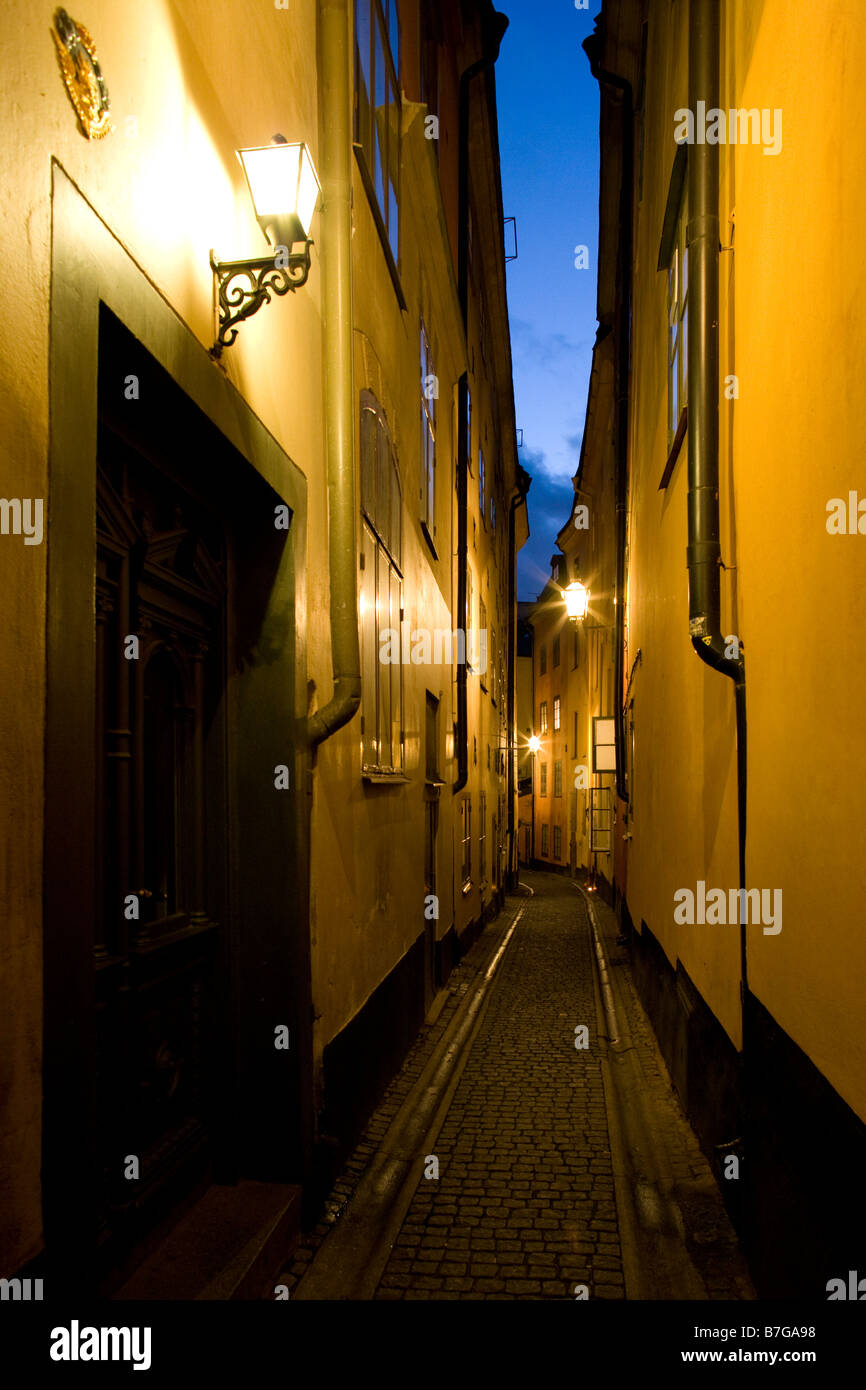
x=433, y=571
x=533, y=1174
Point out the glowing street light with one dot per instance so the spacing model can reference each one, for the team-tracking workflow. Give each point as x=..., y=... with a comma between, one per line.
x=284, y=188
x=534, y=743
x=576, y=600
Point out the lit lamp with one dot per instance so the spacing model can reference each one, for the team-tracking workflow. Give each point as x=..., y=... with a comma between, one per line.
x=534, y=743
x=576, y=600
x=284, y=188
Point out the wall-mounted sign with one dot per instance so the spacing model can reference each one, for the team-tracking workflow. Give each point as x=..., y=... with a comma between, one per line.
x=76, y=53
x=603, y=744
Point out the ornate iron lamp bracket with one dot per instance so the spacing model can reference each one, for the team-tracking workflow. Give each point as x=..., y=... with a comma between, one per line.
x=244, y=286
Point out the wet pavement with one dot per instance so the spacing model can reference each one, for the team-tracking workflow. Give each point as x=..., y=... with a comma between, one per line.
x=531, y=1147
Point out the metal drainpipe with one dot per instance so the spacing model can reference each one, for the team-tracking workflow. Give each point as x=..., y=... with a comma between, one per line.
x=524, y=483
x=704, y=555
x=622, y=362
x=336, y=262
x=494, y=27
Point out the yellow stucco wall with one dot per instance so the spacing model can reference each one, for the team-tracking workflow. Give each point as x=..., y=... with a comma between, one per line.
x=791, y=299
x=798, y=329
x=189, y=83
x=167, y=183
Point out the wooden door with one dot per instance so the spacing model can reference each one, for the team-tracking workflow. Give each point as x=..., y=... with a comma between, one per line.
x=161, y=841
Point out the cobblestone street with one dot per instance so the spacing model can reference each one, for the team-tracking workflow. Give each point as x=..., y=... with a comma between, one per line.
x=525, y=1204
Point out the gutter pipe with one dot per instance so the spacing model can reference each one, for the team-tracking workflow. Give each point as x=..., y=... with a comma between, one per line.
x=524, y=483
x=336, y=262
x=704, y=556
x=493, y=29
x=622, y=364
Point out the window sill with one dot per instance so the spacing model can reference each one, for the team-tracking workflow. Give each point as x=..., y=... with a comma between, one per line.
x=677, y=444
x=386, y=778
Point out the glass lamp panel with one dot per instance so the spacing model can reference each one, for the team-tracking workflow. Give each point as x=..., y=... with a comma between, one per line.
x=272, y=175
x=308, y=190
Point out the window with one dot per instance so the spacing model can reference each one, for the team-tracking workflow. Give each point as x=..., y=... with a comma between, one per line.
x=545, y=840
x=468, y=429
x=431, y=741
x=381, y=595
x=482, y=839
x=557, y=778
x=482, y=643
x=429, y=395
x=557, y=842
x=377, y=111
x=556, y=651
x=543, y=787
x=574, y=745
x=466, y=839
x=469, y=605
x=431, y=35
x=492, y=514
x=678, y=324
x=542, y=717
x=482, y=500
x=542, y=661
x=557, y=712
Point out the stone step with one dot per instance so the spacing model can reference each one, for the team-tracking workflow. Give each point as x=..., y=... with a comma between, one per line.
x=230, y=1245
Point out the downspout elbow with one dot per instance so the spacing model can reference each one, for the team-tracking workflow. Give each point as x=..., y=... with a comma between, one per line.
x=343, y=706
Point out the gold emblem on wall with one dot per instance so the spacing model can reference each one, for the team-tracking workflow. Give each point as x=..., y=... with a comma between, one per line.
x=76, y=53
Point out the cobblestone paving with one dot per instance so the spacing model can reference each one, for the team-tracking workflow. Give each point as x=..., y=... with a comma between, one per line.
x=459, y=981
x=524, y=1203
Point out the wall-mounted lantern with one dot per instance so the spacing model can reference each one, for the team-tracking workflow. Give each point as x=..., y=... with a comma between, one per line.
x=284, y=188
x=576, y=597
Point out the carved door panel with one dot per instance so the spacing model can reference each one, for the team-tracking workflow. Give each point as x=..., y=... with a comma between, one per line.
x=161, y=840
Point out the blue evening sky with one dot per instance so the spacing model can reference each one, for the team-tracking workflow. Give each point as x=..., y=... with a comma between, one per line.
x=548, y=136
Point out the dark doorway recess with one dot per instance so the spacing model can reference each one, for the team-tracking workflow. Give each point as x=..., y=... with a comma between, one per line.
x=186, y=912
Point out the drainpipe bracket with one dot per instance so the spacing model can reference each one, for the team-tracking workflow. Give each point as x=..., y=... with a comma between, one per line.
x=706, y=225
x=703, y=553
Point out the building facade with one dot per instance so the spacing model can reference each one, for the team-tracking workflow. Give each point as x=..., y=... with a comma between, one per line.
x=259, y=787
x=738, y=581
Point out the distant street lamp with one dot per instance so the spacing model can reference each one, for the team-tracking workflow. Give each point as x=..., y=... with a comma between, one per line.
x=534, y=743
x=576, y=597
